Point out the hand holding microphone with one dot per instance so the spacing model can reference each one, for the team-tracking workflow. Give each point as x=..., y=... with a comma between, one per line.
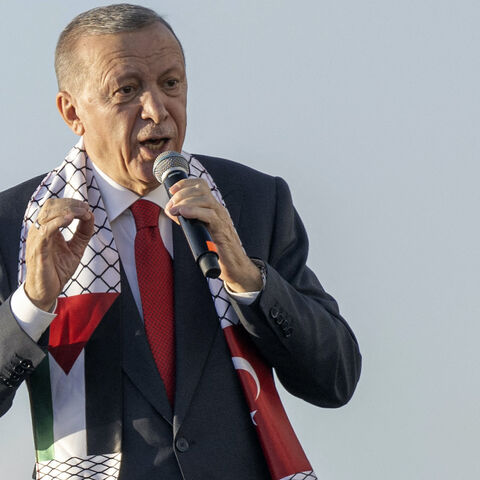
x=169, y=168
x=204, y=220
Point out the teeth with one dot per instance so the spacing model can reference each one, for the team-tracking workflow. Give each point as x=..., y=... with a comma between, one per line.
x=151, y=146
x=155, y=145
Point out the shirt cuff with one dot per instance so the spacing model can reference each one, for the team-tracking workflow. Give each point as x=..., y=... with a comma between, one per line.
x=247, y=298
x=31, y=319
x=242, y=298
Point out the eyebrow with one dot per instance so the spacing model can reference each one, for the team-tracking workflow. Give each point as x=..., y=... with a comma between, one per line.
x=133, y=74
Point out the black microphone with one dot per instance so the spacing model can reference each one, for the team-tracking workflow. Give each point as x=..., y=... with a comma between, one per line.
x=169, y=168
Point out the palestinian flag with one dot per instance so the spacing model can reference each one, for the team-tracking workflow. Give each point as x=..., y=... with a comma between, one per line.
x=75, y=392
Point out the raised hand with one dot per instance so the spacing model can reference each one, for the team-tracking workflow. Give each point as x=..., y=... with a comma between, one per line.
x=51, y=260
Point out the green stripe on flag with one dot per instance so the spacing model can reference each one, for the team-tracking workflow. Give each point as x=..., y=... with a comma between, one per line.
x=42, y=411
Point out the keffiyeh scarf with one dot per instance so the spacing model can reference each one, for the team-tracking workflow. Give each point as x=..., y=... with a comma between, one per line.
x=62, y=389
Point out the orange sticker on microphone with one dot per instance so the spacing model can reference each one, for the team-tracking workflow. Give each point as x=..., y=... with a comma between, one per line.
x=211, y=246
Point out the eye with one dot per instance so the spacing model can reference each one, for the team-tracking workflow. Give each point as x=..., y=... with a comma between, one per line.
x=171, y=83
x=125, y=91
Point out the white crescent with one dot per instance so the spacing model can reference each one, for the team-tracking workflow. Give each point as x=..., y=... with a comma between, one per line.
x=241, y=364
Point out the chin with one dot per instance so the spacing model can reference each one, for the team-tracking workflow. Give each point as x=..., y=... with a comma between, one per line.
x=148, y=181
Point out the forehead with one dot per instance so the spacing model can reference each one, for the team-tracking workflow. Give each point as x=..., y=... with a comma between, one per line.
x=152, y=45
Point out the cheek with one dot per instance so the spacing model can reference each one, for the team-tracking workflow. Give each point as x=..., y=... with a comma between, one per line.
x=180, y=117
x=123, y=128
x=130, y=124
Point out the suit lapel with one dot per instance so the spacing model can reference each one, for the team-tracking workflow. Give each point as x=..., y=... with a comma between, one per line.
x=196, y=324
x=138, y=362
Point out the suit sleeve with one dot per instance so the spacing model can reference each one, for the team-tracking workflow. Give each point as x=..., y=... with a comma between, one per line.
x=295, y=324
x=19, y=354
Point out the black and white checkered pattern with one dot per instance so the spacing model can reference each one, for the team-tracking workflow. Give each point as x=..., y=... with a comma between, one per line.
x=93, y=467
x=99, y=268
x=221, y=299
x=302, y=476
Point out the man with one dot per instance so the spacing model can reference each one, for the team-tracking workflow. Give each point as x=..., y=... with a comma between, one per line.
x=137, y=367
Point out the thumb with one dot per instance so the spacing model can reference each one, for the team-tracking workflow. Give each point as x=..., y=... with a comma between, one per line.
x=171, y=216
x=83, y=233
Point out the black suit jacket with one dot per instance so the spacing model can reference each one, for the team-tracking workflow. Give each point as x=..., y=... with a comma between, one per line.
x=294, y=323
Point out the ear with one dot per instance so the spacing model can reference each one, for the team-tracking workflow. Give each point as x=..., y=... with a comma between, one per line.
x=67, y=107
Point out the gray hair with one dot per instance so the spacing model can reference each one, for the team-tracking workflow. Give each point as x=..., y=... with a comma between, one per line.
x=117, y=18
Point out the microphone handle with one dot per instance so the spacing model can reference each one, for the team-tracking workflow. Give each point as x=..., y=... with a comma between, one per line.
x=201, y=244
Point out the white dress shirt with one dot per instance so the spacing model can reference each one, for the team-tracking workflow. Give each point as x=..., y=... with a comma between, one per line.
x=117, y=201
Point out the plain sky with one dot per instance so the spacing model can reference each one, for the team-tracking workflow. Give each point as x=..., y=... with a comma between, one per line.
x=370, y=111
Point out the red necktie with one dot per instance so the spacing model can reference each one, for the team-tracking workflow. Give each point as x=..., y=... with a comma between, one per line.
x=155, y=281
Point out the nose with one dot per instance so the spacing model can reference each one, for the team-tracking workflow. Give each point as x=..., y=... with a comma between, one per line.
x=153, y=106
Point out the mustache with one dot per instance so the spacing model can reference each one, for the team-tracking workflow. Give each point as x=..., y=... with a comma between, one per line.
x=154, y=131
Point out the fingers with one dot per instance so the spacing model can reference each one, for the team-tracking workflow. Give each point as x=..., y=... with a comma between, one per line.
x=188, y=182
x=192, y=198
x=62, y=207
x=190, y=187
x=60, y=212
x=206, y=215
x=50, y=260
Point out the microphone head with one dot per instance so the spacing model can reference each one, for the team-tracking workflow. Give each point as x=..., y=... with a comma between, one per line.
x=168, y=161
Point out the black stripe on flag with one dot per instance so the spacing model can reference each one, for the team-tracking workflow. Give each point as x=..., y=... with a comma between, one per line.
x=103, y=384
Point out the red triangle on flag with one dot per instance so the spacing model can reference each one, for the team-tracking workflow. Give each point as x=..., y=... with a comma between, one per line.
x=77, y=318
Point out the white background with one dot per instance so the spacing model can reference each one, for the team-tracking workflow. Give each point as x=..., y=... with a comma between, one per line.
x=370, y=111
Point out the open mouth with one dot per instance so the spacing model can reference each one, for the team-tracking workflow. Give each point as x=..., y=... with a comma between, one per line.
x=155, y=144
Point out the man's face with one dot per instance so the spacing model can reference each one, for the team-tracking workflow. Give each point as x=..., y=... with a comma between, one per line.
x=133, y=104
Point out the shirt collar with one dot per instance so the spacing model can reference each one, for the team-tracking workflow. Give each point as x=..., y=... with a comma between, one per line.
x=117, y=198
